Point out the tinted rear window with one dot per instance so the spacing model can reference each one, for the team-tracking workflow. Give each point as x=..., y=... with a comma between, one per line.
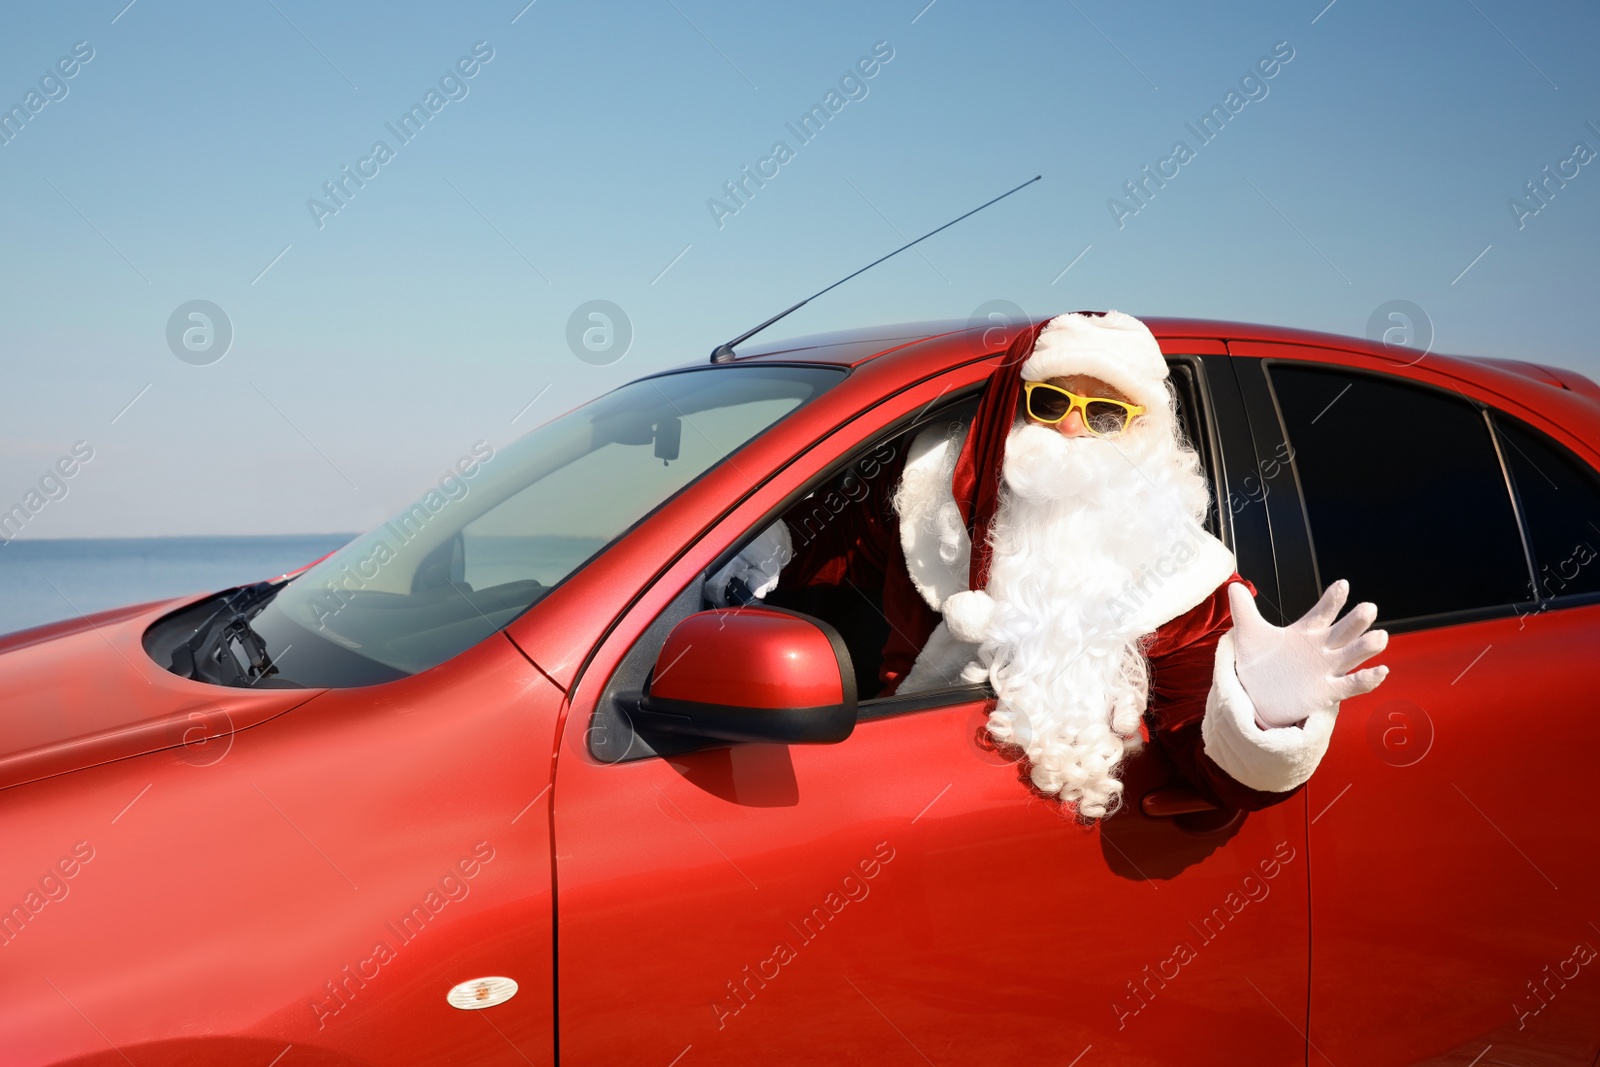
x=1404, y=492
x=1560, y=497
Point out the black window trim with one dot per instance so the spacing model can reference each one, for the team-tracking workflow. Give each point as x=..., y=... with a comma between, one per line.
x=1509, y=478
x=1252, y=535
x=1543, y=603
x=1209, y=440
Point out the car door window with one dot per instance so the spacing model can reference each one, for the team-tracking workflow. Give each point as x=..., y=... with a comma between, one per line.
x=851, y=503
x=854, y=609
x=1403, y=490
x=1560, y=497
x=839, y=501
x=868, y=482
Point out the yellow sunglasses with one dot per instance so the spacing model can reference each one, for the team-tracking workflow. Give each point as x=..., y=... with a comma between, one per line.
x=1050, y=404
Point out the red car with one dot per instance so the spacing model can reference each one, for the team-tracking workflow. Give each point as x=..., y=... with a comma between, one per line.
x=488, y=785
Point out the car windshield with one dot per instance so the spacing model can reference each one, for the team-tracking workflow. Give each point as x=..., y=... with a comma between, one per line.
x=502, y=526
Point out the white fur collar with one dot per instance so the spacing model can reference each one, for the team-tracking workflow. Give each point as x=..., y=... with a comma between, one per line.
x=938, y=549
x=935, y=540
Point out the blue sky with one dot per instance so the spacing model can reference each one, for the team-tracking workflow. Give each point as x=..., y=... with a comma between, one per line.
x=577, y=164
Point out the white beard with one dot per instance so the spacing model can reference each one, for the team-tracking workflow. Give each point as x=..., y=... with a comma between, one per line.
x=1078, y=520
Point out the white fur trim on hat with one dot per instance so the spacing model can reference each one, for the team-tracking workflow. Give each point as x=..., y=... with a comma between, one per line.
x=1116, y=348
x=1269, y=761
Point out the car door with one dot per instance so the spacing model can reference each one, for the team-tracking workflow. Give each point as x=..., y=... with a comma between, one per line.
x=1454, y=861
x=902, y=896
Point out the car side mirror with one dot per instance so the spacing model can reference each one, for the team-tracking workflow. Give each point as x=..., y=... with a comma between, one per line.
x=752, y=674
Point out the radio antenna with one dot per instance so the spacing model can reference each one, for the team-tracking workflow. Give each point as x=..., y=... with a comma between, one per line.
x=724, y=353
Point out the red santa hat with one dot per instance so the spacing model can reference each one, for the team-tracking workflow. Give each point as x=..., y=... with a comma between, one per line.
x=1116, y=348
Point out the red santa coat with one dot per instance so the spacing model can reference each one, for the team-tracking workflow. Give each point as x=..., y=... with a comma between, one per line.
x=1198, y=711
x=862, y=547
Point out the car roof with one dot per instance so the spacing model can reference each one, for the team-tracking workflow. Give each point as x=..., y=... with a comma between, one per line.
x=856, y=346
x=852, y=348
x=849, y=348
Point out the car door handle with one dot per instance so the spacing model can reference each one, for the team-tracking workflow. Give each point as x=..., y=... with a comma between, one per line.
x=1172, y=800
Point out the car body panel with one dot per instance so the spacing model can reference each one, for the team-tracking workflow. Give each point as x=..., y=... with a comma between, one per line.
x=847, y=348
x=1454, y=869
x=83, y=692
x=1427, y=852
x=785, y=905
x=243, y=895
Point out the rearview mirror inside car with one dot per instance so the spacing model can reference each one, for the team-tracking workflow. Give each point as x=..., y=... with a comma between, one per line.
x=669, y=438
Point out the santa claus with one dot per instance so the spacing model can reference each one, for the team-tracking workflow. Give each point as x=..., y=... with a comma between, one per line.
x=1054, y=548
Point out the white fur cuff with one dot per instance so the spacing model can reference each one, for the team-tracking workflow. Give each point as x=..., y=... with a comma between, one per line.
x=1268, y=761
x=967, y=614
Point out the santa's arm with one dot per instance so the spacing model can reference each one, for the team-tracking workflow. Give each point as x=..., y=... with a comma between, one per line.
x=1182, y=660
x=1276, y=691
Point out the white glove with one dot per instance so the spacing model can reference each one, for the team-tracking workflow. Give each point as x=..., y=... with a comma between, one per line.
x=967, y=614
x=757, y=565
x=1288, y=672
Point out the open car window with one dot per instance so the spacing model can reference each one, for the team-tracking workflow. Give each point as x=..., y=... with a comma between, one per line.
x=866, y=478
x=854, y=501
x=859, y=488
x=868, y=481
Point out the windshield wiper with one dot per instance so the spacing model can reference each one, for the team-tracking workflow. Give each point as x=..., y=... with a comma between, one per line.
x=208, y=656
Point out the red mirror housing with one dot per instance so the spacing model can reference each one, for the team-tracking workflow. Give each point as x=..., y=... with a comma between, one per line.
x=752, y=674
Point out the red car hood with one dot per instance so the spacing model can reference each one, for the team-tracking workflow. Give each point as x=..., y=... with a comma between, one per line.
x=80, y=693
